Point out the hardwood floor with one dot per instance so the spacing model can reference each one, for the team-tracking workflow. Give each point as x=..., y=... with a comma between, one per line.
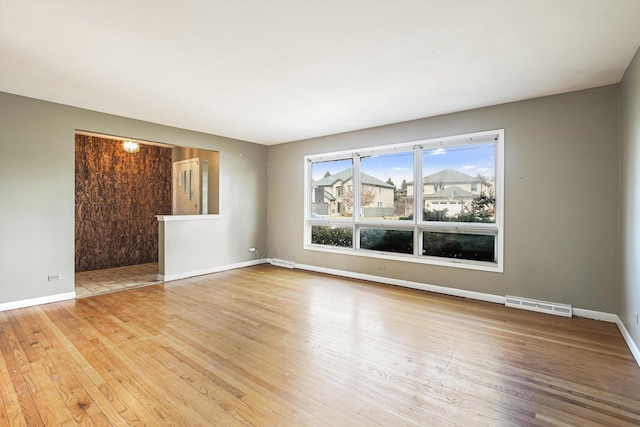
x=271, y=346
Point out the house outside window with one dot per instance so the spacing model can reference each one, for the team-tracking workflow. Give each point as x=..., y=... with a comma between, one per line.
x=458, y=201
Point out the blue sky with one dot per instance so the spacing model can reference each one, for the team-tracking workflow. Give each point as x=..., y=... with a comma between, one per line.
x=398, y=166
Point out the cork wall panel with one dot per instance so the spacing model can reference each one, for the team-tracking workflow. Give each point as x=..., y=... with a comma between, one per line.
x=118, y=195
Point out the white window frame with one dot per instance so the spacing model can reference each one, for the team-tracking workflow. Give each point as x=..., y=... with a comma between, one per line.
x=418, y=226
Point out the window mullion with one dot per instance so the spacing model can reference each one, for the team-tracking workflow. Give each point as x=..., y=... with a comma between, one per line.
x=355, y=216
x=418, y=187
x=417, y=198
x=356, y=188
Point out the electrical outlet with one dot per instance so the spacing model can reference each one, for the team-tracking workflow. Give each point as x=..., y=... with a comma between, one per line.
x=252, y=249
x=53, y=277
x=381, y=267
x=635, y=316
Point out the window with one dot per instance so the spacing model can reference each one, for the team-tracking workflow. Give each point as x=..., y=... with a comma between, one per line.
x=461, y=246
x=379, y=171
x=447, y=210
x=387, y=240
x=332, y=236
x=329, y=198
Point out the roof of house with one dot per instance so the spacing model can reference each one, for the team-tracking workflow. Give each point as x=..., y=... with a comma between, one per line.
x=345, y=175
x=450, y=193
x=449, y=176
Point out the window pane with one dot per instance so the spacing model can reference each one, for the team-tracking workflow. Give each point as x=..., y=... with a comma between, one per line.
x=330, y=180
x=400, y=241
x=332, y=236
x=383, y=186
x=459, y=183
x=462, y=246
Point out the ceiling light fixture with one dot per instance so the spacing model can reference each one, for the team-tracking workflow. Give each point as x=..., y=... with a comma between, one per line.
x=131, y=146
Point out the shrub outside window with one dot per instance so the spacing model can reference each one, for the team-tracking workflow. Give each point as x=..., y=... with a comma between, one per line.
x=364, y=202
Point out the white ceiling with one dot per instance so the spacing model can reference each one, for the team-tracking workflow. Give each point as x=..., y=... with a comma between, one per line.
x=277, y=71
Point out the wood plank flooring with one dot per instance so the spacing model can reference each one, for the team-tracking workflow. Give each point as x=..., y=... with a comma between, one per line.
x=270, y=346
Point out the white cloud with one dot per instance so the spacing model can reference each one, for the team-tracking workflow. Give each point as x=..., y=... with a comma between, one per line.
x=467, y=167
x=438, y=152
x=398, y=168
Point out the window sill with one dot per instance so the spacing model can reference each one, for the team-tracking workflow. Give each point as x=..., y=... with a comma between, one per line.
x=441, y=262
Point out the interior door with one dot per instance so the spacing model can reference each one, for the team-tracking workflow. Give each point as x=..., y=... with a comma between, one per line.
x=186, y=187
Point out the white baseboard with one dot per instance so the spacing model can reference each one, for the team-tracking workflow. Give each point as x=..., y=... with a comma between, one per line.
x=187, y=274
x=37, y=301
x=406, y=284
x=595, y=315
x=627, y=337
x=578, y=312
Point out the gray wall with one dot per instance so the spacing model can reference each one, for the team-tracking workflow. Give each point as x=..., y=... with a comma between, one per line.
x=629, y=296
x=37, y=191
x=561, y=203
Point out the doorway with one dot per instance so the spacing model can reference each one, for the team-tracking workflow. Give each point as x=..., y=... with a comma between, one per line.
x=118, y=194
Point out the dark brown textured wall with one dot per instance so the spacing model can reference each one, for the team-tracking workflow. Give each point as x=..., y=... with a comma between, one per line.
x=118, y=195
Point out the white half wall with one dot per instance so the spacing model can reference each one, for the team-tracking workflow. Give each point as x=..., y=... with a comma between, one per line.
x=191, y=245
